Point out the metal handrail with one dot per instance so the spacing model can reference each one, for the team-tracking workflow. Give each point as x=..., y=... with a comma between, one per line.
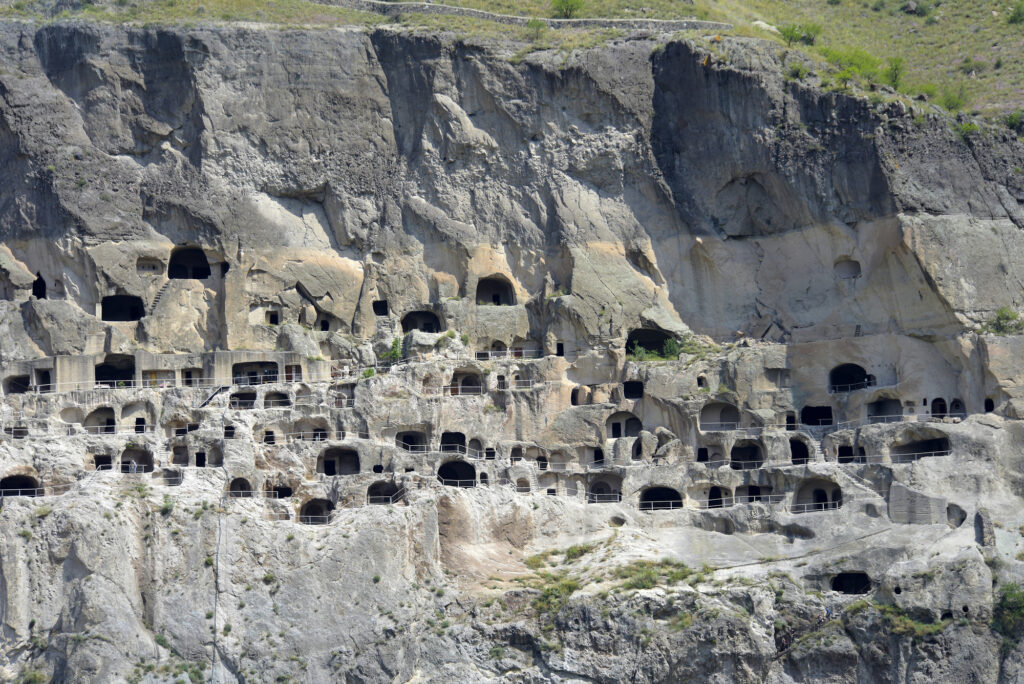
x=386, y=500
x=316, y=519
x=660, y=505
x=614, y=497
x=458, y=391
x=456, y=483
x=718, y=427
x=851, y=387
x=811, y=507
x=907, y=458
x=250, y=494
x=30, y=491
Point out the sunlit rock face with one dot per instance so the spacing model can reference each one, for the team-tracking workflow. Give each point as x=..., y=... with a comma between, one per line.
x=652, y=302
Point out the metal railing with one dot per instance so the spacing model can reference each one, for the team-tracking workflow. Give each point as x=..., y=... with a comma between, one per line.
x=511, y=354
x=914, y=456
x=457, y=483
x=459, y=391
x=316, y=519
x=614, y=497
x=850, y=387
x=250, y=494
x=665, y=505
x=811, y=507
x=382, y=500
x=718, y=427
x=30, y=491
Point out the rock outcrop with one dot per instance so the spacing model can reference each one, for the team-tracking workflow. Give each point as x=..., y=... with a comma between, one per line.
x=370, y=356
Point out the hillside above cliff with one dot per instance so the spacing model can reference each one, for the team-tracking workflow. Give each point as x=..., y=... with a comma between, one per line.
x=962, y=54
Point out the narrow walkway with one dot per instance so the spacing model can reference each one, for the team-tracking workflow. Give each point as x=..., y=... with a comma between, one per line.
x=395, y=9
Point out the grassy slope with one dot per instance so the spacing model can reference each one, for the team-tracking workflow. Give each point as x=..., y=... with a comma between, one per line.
x=933, y=47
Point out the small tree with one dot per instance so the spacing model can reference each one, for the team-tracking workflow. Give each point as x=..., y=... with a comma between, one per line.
x=566, y=9
x=809, y=33
x=535, y=29
x=791, y=33
x=953, y=97
x=894, y=72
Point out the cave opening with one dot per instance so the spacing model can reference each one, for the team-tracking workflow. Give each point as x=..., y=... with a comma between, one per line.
x=188, y=263
x=116, y=369
x=457, y=474
x=851, y=583
x=660, y=498
x=39, y=287
x=423, y=321
x=799, y=454
x=121, y=308
x=19, y=485
x=495, y=290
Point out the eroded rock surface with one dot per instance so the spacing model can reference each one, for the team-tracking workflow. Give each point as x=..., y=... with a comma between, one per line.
x=217, y=243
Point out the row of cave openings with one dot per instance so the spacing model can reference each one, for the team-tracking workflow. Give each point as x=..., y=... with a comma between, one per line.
x=813, y=494
x=191, y=263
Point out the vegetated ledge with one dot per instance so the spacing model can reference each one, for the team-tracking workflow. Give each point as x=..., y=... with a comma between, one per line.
x=395, y=9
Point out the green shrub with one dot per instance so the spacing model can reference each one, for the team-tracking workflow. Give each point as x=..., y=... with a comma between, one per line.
x=901, y=624
x=1008, y=615
x=797, y=71
x=537, y=561
x=966, y=130
x=649, y=574
x=1005, y=321
x=970, y=66
x=269, y=578
x=953, y=97
x=535, y=29
x=368, y=373
x=497, y=653
x=1016, y=15
x=566, y=9
x=1015, y=121
x=376, y=579
x=681, y=621
x=161, y=640
x=555, y=594
x=810, y=33
x=670, y=350
x=578, y=551
x=894, y=71
x=858, y=62
x=167, y=507
x=395, y=352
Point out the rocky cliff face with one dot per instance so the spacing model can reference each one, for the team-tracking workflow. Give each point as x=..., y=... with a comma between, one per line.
x=824, y=484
